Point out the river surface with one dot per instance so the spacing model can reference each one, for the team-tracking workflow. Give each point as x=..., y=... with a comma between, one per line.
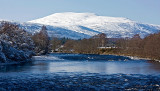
x=81, y=72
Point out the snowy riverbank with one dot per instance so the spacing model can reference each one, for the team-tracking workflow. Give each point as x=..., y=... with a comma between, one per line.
x=9, y=54
x=45, y=57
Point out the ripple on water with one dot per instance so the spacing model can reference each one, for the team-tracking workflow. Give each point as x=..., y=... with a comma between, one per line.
x=80, y=81
x=52, y=74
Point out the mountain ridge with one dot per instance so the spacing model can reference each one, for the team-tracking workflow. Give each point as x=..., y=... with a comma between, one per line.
x=85, y=25
x=91, y=24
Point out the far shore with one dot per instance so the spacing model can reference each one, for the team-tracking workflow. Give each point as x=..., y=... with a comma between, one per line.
x=132, y=57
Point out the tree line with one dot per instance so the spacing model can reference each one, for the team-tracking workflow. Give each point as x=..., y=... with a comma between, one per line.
x=148, y=47
x=21, y=40
x=79, y=46
x=41, y=43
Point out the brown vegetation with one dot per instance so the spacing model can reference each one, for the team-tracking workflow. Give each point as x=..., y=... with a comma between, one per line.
x=41, y=41
x=149, y=47
x=81, y=46
x=16, y=37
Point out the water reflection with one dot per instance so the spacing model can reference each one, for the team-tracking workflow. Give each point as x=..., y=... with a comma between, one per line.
x=133, y=67
x=154, y=65
x=86, y=64
x=16, y=67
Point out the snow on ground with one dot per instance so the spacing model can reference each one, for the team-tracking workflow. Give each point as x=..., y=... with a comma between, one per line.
x=70, y=18
x=45, y=58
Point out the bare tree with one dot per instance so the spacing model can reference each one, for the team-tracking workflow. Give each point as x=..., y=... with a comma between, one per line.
x=41, y=41
x=55, y=43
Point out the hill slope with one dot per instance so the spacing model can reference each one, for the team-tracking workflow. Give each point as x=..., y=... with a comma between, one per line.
x=91, y=24
x=85, y=25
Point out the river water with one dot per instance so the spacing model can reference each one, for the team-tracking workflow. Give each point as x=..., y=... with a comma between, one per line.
x=81, y=72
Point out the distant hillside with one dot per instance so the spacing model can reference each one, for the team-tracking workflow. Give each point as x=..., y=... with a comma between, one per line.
x=88, y=24
x=84, y=25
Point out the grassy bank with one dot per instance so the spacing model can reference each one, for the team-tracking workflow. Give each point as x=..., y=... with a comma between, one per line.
x=120, y=52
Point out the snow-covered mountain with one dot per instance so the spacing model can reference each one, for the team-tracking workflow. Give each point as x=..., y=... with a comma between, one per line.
x=89, y=24
x=85, y=25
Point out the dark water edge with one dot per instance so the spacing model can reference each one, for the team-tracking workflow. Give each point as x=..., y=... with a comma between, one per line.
x=114, y=54
x=16, y=62
x=79, y=82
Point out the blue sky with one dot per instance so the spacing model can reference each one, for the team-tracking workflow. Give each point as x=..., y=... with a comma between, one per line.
x=146, y=11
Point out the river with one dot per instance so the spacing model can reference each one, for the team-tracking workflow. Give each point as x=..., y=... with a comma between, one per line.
x=81, y=72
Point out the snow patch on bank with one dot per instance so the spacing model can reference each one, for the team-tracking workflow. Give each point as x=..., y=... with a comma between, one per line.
x=44, y=58
x=140, y=58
